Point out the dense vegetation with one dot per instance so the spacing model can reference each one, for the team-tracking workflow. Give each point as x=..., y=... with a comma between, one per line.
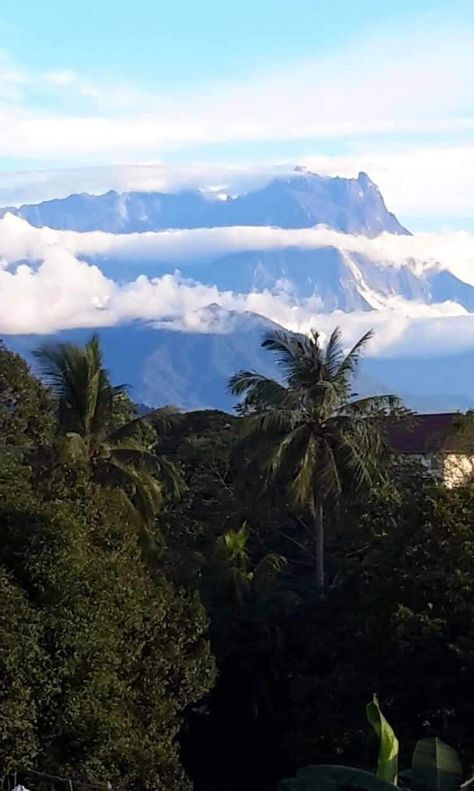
x=167, y=611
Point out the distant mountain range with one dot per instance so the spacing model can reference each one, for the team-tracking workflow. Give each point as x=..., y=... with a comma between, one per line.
x=298, y=201
x=190, y=369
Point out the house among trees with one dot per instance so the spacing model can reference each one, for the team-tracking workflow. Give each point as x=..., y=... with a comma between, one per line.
x=443, y=443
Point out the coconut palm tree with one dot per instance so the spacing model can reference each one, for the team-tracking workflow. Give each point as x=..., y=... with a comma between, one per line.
x=96, y=431
x=309, y=431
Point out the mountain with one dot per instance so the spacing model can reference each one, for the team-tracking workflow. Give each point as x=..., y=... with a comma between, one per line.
x=339, y=279
x=191, y=370
x=300, y=200
x=165, y=366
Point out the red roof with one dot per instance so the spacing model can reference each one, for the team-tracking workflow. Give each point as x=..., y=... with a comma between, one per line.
x=424, y=434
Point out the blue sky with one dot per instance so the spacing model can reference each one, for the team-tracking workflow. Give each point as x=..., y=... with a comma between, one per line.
x=374, y=84
x=164, y=43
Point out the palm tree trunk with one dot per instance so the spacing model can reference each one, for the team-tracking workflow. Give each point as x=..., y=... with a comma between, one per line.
x=318, y=526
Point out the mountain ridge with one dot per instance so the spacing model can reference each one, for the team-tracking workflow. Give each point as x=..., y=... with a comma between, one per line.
x=301, y=200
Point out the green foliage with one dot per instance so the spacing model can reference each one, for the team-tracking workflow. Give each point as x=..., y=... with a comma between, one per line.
x=99, y=654
x=435, y=767
x=92, y=417
x=310, y=433
x=404, y=604
x=26, y=407
x=387, y=764
x=22, y=663
x=334, y=778
x=106, y=672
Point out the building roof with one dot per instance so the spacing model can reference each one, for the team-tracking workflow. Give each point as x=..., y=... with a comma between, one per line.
x=433, y=433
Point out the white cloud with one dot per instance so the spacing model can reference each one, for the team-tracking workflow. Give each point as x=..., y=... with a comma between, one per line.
x=453, y=252
x=379, y=86
x=59, y=290
x=30, y=186
x=12, y=79
x=422, y=181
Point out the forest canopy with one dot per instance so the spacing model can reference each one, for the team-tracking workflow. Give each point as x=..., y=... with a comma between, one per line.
x=213, y=599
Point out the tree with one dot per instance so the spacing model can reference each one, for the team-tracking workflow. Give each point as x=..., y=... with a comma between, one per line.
x=310, y=431
x=100, y=429
x=100, y=656
x=399, y=621
x=26, y=407
x=22, y=670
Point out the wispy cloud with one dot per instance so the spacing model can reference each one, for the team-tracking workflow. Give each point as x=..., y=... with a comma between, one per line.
x=381, y=86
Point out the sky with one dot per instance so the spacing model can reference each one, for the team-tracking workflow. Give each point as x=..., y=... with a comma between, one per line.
x=109, y=93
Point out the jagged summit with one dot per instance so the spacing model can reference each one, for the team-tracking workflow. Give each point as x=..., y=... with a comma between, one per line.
x=300, y=200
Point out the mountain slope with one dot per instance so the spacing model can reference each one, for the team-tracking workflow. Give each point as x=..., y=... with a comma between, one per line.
x=161, y=366
x=191, y=370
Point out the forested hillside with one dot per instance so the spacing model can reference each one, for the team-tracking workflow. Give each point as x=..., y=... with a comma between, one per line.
x=213, y=599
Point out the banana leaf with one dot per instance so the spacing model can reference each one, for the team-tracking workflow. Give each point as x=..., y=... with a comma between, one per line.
x=387, y=765
x=435, y=767
x=334, y=778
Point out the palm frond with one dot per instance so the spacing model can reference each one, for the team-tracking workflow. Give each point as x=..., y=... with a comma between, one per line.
x=348, y=366
x=81, y=385
x=303, y=484
x=372, y=405
x=171, y=478
x=331, y=482
x=290, y=349
x=259, y=390
x=334, y=353
x=312, y=431
x=144, y=491
x=132, y=452
x=287, y=453
x=358, y=461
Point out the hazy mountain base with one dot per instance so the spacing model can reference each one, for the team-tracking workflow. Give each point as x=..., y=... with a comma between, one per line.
x=191, y=370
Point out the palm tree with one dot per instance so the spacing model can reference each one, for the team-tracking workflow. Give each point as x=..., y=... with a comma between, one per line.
x=96, y=430
x=237, y=574
x=309, y=431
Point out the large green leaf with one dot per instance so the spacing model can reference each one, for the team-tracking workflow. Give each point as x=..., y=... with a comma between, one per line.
x=334, y=778
x=387, y=765
x=435, y=767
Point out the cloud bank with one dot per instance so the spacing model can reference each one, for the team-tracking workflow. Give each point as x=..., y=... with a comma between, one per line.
x=423, y=252
x=46, y=285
